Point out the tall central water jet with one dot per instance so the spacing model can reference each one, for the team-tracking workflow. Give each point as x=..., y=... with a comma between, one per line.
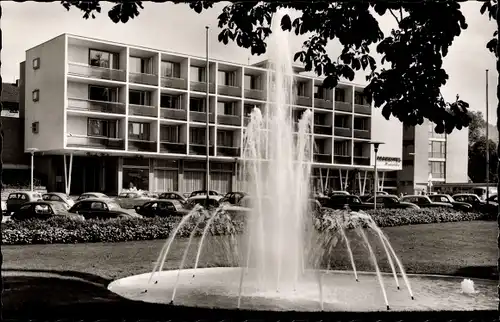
x=276, y=157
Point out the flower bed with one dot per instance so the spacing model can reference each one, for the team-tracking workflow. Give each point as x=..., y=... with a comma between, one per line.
x=62, y=230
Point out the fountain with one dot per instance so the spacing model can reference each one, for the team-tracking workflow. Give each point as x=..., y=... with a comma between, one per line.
x=285, y=252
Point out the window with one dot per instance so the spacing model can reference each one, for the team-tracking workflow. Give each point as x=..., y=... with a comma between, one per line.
x=35, y=95
x=96, y=205
x=135, y=177
x=225, y=138
x=340, y=95
x=342, y=121
x=437, y=169
x=197, y=135
x=319, y=119
x=341, y=148
x=104, y=128
x=320, y=146
x=169, y=133
x=227, y=78
x=36, y=63
x=138, y=131
x=140, y=65
x=99, y=58
x=302, y=89
x=358, y=150
x=359, y=98
x=42, y=210
x=197, y=74
x=437, y=149
x=170, y=101
x=139, y=97
x=253, y=82
x=247, y=109
x=35, y=127
x=170, y=69
x=227, y=108
x=104, y=94
x=197, y=104
x=319, y=92
x=361, y=123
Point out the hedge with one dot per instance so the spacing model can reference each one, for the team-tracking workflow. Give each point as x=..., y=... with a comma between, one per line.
x=67, y=231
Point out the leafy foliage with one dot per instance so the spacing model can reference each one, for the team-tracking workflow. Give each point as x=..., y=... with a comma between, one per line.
x=67, y=231
x=476, y=127
x=477, y=160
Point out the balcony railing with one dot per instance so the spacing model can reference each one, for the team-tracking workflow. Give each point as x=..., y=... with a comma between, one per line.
x=200, y=149
x=322, y=158
x=94, y=142
x=142, y=78
x=229, y=120
x=256, y=94
x=202, y=87
x=361, y=160
x=341, y=159
x=142, y=110
x=342, y=131
x=343, y=106
x=362, y=134
x=142, y=145
x=80, y=104
x=173, y=82
x=322, y=129
x=228, y=151
x=303, y=101
x=362, y=109
x=84, y=70
x=172, y=147
x=173, y=113
x=201, y=117
x=323, y=103
x=229, y=90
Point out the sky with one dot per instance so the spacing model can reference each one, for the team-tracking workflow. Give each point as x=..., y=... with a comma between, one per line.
x=177, y=28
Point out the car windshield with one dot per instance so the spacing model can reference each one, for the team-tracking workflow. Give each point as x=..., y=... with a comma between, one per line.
x=58, y=208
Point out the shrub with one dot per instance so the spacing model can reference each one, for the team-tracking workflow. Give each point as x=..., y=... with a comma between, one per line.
x=67, y=231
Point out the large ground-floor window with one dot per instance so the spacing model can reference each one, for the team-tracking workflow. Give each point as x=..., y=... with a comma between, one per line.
x=136, y=177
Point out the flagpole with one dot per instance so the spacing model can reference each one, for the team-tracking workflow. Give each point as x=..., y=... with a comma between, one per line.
x=207, y=132
x=487, y=145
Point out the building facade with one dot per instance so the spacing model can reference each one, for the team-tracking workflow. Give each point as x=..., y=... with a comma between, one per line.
x=431, y=159
x=105, y=116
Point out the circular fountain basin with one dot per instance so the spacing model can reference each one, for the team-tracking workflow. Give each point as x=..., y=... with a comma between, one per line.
x=219, y=288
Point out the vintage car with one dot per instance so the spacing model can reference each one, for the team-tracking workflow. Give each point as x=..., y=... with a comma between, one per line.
x=172, y=195
x=16, y=199
x=130, y=199
x=97, y=208
x=62, y=198
x=424, y=202
x=392, y=202
x=43, y=210
x=449, y=199
x=87, y=195
x=162, y=208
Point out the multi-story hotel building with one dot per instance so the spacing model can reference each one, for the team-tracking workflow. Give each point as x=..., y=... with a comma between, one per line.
x=125, y=115
x=432, y=160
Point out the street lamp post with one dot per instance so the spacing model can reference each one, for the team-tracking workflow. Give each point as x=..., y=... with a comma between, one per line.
x=375, y=148
x=32, y=151
x=207, y=134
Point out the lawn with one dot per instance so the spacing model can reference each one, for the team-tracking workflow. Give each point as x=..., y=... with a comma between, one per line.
x=65, y=274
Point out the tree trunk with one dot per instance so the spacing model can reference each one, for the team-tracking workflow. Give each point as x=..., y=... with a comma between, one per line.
x=498, y=129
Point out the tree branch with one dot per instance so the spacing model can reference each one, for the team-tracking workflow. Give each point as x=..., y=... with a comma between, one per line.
x=392, y=13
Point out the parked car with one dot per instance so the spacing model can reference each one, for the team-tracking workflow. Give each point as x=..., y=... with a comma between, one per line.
x=392, y=202
x=98, y=208
x=424, y=202
x=213, y=202
x=233, y=198
x=62, y=198
x=16, y=199
x=211, y=193
x=493, y=198
x=334, y=193
x=349, y=201
x=173, y=195
x=449, y=199
x=128, y=200
x=43, y=210
x=87, y=195
x=4, y=207
x=476, y=202
x=162, y=208
x=322, y=200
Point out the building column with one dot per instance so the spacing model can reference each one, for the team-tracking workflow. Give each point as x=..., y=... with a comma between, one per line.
x=151, y=181
x=120, y=174
x=180, y=177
